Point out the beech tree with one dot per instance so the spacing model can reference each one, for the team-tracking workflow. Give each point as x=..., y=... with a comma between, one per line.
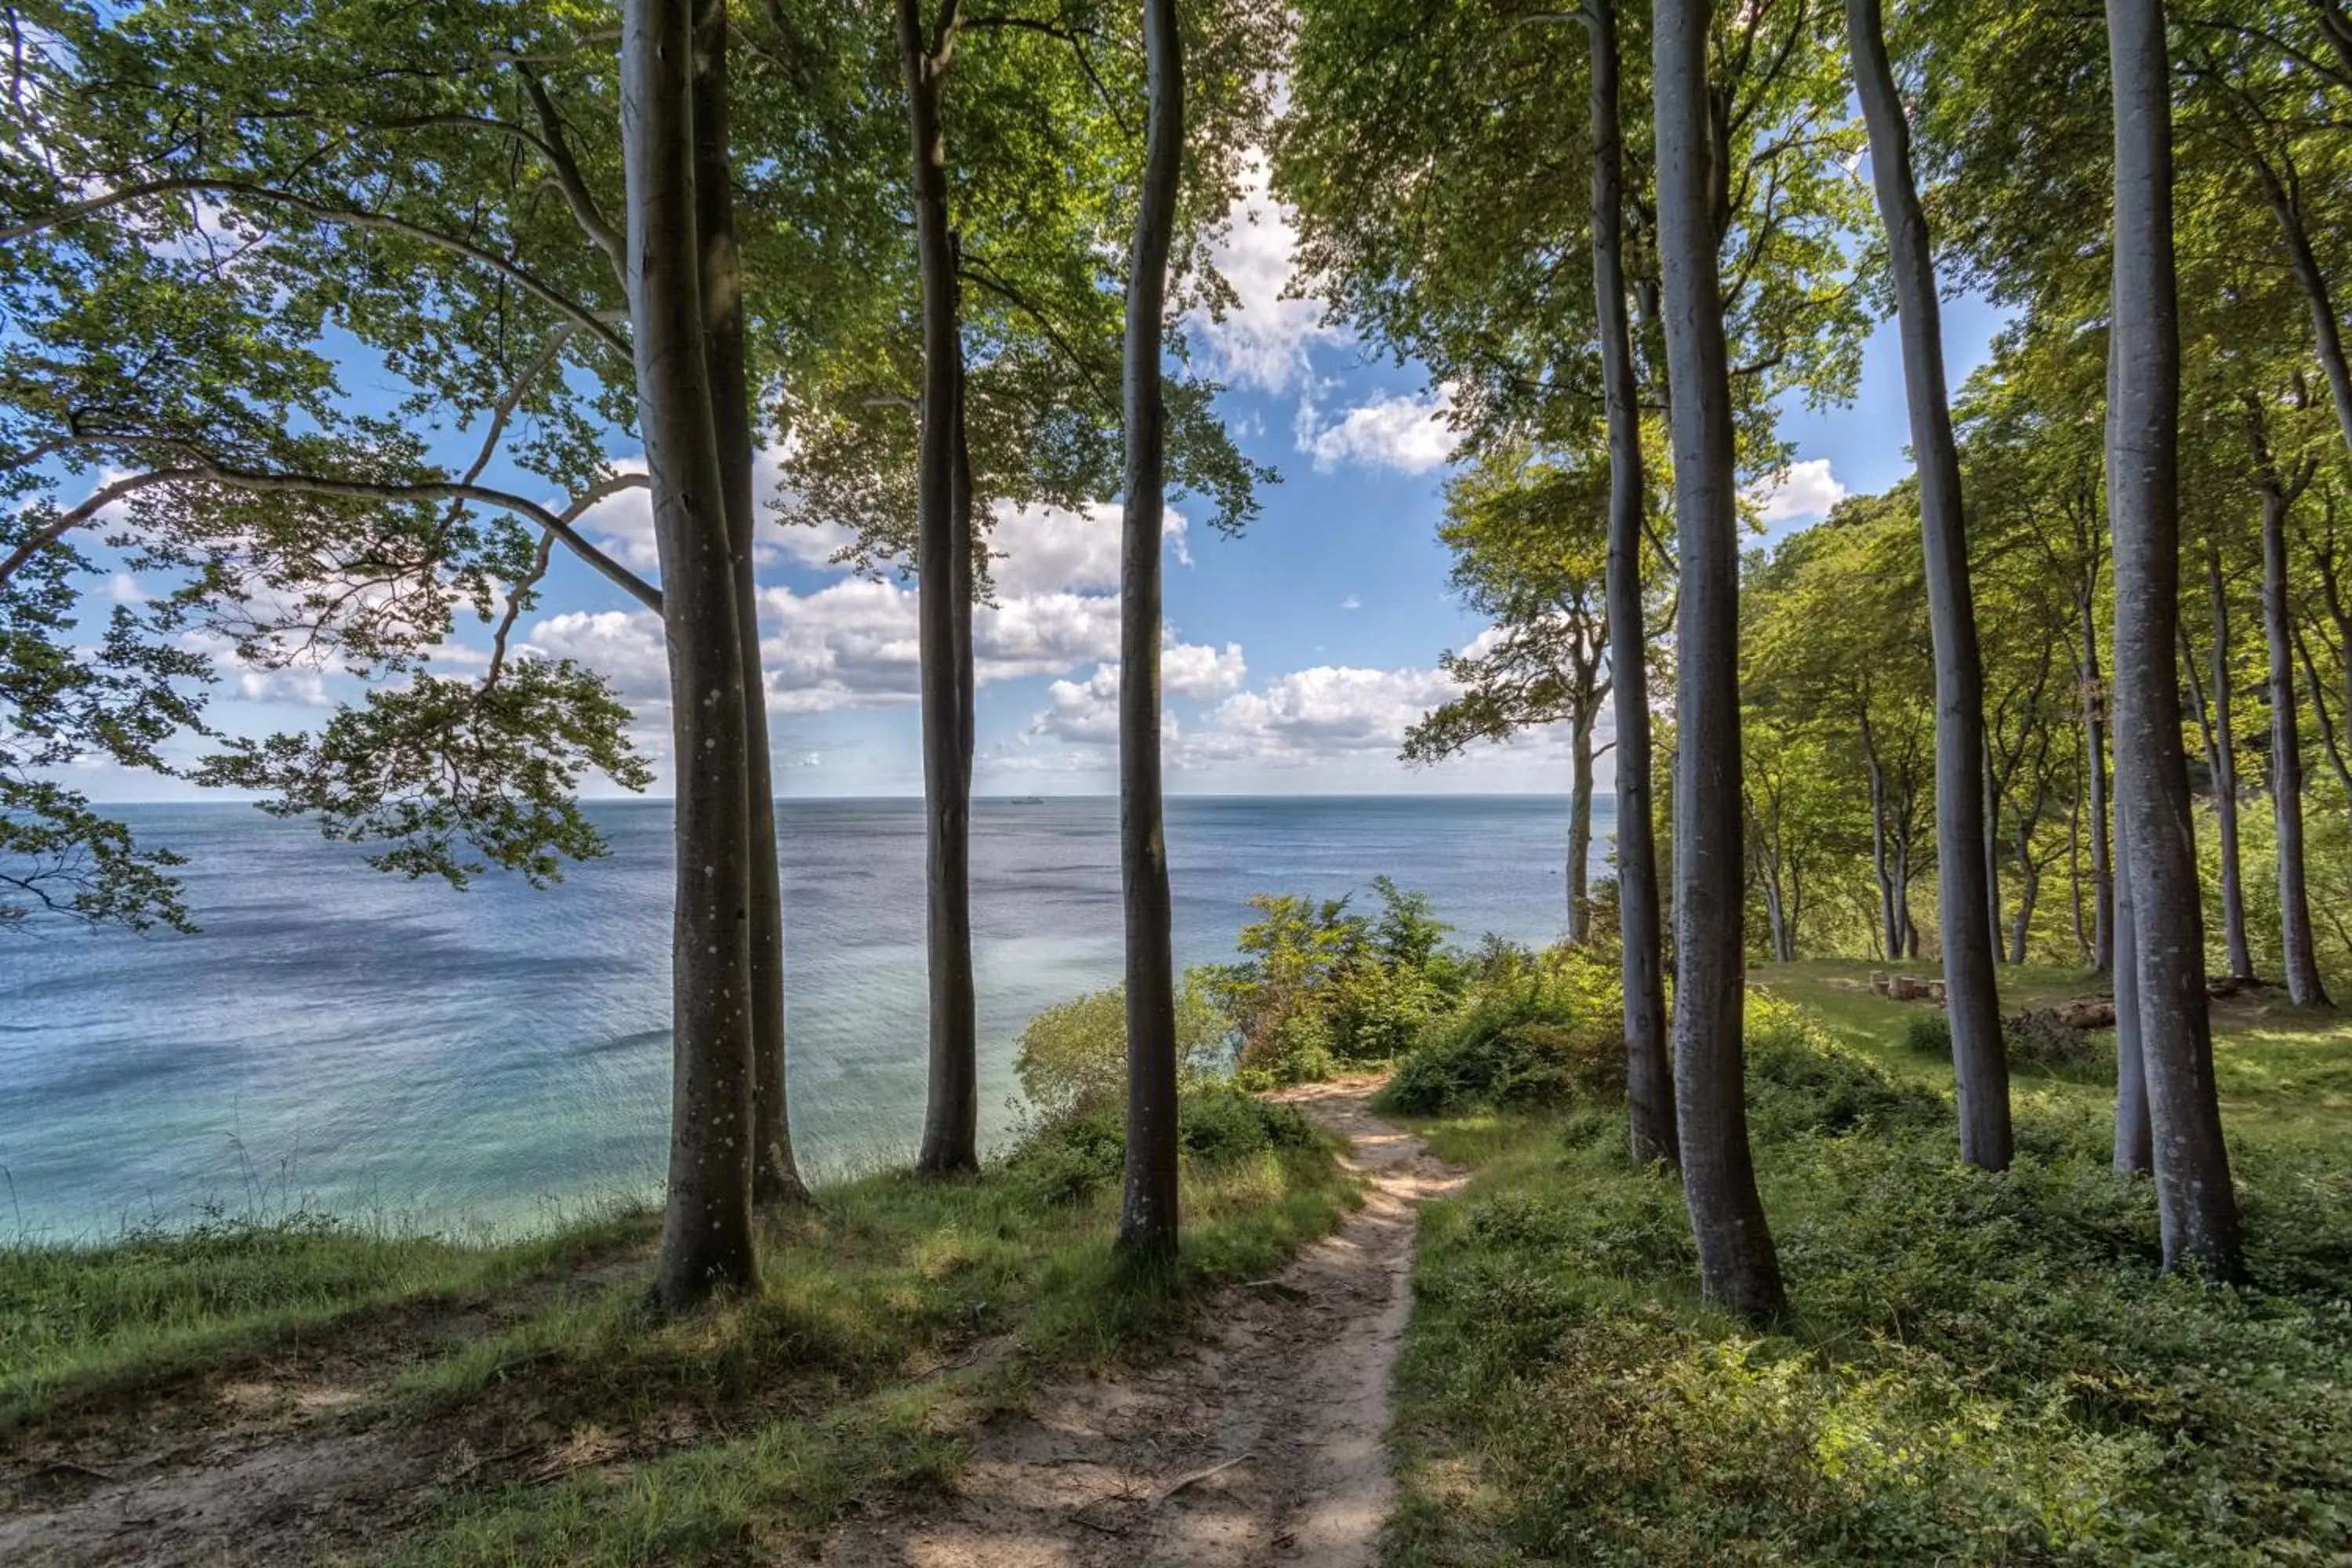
x=1148, y=1217
x=1649, y=1088
x=1004, y=341
x=2281, y=487
x=2196, y=1202
x=1407, y=153
x=1528, y=555
x=1979, y=1059
x=1737, y=1265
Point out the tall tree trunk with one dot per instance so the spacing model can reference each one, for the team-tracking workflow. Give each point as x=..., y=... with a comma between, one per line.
x=2197, y=1205
x=1579, y=829
x=1881, y=865
x=706, y=1239
x=1991, y=820
x=2328, y=336
x=2225, y=776
x=2133, y=1151
x=1964, y=902
x=1738, y=1267
x=775, y=1176
x=2028, y=893
x=1650, y=1090
x=962, y=563
x=2299, y=956
x=2075, y=873
x=951, y=1116
x=2094, y=752
x=1147, y=1219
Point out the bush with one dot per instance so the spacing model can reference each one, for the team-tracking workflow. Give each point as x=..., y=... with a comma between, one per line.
x=1069, y=1159
x=1319, y=987
x=1929, y=1034
x=1801, y=1080
x=2039, y=1040
x=1296, y=1049
x=1547, y=1035
x=1073, y=1058
x=1988, y=1368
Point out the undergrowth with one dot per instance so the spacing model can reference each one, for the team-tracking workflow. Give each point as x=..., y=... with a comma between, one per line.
x=1980, y=1368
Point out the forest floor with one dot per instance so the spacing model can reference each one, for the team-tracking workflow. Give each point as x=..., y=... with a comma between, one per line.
x=294, y=1392
x=1267, y=1444
x=1975, y=1368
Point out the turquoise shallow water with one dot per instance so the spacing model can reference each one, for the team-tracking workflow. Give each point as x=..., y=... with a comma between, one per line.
x=345, y=1040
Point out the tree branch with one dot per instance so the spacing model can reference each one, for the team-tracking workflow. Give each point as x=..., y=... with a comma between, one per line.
x=356, y=217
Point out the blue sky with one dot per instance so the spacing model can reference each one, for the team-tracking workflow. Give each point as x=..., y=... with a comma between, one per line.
x=1295, y=656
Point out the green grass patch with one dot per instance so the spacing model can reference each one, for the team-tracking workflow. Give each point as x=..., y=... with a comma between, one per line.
x=83, y=1325
x=575, y=1426
x=1980, y=1368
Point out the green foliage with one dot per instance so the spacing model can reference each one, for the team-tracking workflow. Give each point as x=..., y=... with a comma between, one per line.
x=1072, y=1059
x=1321, y=988
x=1549, y=1032
x=1983, y=1368
x=1801, y=1080
x=1929, y=1034
x=1073, y=1158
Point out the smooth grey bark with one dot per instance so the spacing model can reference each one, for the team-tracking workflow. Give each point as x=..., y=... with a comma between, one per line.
x=1971, y=1002
x=2299, y=958
x=1738, y=1268
x=1772, y=875
x=2195, y=1200
x=2225, y=759
x=706, y=1239
x=1148, y=1217
x=1580, y=828
x=1649, y=1080
x=2028, y=894
x=2327, y=335
x=1990, y=818
x=2134, y=1137
x=1882, y=864
x=775, y=1176
x=951, y=1112
x=2094, y=753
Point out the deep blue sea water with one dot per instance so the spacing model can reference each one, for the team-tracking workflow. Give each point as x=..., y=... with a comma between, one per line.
x=341, y=1039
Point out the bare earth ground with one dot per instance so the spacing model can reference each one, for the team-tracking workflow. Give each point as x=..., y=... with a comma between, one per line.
x=1264, y=1446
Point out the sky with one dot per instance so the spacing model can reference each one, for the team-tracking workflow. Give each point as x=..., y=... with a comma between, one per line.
x=1296, y=654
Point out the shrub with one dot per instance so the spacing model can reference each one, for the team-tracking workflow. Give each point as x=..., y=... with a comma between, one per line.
x=1547, y=1035
x=1801, y=1080
x=1318, y=987
x=1929, y=1034
x=1073, y=1058
x=1376, y=1013
x=2039, y=1038
x=1069, y=1159
x=1296, y=1049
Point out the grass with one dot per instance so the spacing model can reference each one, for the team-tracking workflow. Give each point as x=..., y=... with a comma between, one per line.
x=1978, y=1368
x=572, y=1426
x=2284, y=1073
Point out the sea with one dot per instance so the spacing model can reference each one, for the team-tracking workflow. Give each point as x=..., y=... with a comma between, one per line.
x=337, y=1040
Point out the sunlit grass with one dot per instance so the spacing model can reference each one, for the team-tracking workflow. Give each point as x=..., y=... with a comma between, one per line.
x=578, y=1426
x=1978, y=1368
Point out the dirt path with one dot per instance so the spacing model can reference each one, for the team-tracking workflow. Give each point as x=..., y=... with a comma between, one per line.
x=1264, y=1446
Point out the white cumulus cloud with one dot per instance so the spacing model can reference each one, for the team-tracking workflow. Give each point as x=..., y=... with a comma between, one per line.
x=1263, y=343
x=1400, y=431
x=1802, y=492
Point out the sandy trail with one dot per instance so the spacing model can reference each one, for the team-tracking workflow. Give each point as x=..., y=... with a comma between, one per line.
x=1266, y=1445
